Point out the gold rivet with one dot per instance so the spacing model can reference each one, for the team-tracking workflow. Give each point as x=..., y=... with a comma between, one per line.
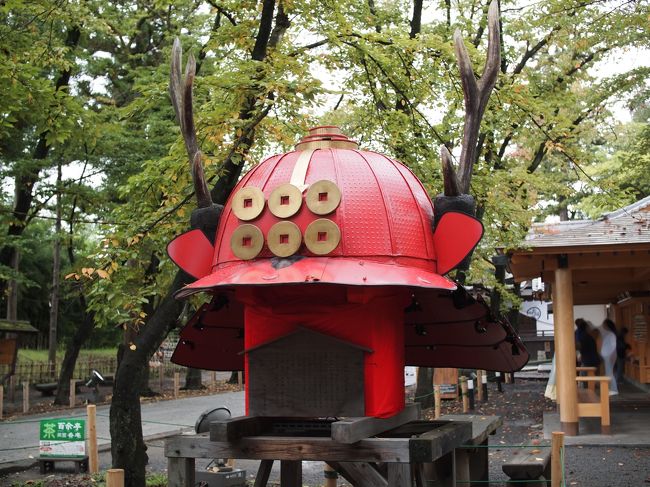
x=285, y=200
x=322, y=236
x=323, y=197
x=247, y=241
x=284, y=239
x=248, y=203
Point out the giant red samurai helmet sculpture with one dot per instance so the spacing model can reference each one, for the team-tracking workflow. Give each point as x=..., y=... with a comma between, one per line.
x=329, y=264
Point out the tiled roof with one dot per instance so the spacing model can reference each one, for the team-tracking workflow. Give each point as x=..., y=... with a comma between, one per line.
x=629, y=225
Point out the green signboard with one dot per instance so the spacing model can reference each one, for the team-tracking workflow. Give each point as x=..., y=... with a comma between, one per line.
x=63, y=438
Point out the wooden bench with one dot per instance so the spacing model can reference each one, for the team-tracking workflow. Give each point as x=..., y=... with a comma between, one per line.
x=592, y=404
x=530, y=466
x=47, y=463
x=589, y=372
x=49, y=388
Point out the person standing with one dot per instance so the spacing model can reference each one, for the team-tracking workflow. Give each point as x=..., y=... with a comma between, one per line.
x=608, y=352
x=586, y=345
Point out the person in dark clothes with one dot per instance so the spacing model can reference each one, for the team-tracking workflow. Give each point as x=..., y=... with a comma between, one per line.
x=621, y=351
x=586, y=345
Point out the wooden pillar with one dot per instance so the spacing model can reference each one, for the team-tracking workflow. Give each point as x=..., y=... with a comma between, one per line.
x=565, y=349
x=2, y=400
x=177, y=384
x=180, y=472
x=437, y=401
x=73, y=392
x=557, y=460
x=93, y=455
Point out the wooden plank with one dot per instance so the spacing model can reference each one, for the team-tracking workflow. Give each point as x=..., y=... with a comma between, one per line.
x=360, y=474
x=263, y=473
x=434, y=444
x=180, y=472
x=290, y=473
x=527, y=464
x=235, y=428
x=482, y=426
x=351, y=430
x=290, y=448
x=399, y=475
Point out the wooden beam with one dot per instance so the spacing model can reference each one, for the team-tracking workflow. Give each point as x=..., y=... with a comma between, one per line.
x=399, y=475
x=432, y=445
x=290, y=473
x=287, y=448
x=235, y=428
x=351, y=430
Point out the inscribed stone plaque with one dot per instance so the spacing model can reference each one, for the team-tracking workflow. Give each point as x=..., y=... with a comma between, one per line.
x=306, y=374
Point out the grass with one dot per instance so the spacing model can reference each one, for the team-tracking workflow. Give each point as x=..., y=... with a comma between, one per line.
x=41, y=355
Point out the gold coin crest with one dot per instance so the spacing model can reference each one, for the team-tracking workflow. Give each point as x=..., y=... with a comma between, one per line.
x=322, y=236
x=248, y=203
x=246, y=241
x=284, y=239
x=285, y=200
x=323, y=197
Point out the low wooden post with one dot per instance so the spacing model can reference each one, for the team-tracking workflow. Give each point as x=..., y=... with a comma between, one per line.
x=330, y=476
x=470, y=393
x=115, y=477
x=93, y=455
x=557, y=459
x=12, y=388
x=161, y=375
x=464, y=394
x=499, y=386
x=73, y=392
x=2, y=400
x=177, y=383
x=213, y=378
x=479, y=385
x=437, y=401
x=484, y=385
x=25, y=397
x=240, y=379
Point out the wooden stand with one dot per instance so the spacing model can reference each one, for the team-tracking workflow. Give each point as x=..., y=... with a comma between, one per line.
x=415, y=453
x=47, y=463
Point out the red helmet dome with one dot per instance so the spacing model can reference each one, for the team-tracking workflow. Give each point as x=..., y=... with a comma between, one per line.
x=330, y=213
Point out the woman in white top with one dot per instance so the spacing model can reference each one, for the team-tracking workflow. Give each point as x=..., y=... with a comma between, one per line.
x=608, y=352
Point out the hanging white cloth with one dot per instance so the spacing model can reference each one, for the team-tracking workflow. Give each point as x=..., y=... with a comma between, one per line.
x=608, y=354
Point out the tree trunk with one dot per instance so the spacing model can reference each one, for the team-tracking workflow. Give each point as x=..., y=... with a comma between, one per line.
x=128, y=449
x=193, y=380
x=56, y=279
x=80, y=337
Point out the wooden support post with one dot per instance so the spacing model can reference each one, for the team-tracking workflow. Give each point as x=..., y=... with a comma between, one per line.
x=499, y=386
x=213, y=379
x=263, y=473
x=161, y=375
x=399, y=474
x=93, y=455
x=2, y=400
x=557, y=459
x=291, y=473
x=73, y=392
x=479, y=385
x=115, y=477
x=437, y=401
x=25, y=397
x=464, y=394
x=177, y=383
x=567, y=390
x=180, y=472
x=240, y=379
x=330, y=476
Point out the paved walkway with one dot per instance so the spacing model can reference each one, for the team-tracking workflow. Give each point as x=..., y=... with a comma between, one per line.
x=19, y=438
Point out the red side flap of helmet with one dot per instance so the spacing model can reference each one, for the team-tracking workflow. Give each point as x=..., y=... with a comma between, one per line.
x=455, y=237
x=192, y=252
